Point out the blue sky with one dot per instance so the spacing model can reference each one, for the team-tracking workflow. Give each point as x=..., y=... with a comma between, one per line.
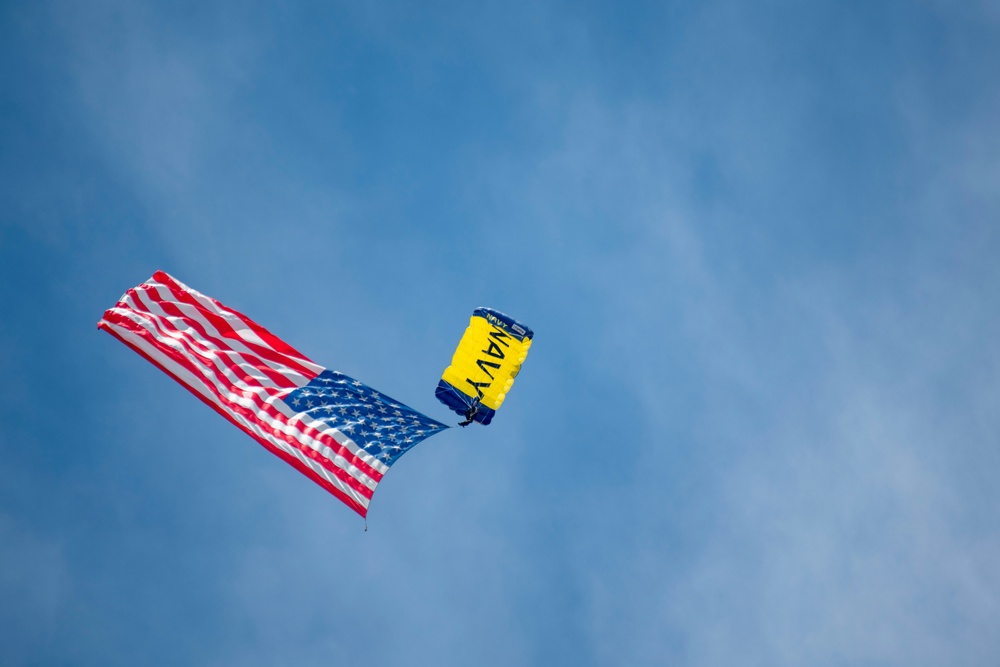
x=757, y=244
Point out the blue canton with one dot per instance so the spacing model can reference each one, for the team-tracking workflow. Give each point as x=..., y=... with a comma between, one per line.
x=381, y=426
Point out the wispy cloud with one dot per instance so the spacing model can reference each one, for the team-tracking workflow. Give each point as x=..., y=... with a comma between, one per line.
x=757, y=244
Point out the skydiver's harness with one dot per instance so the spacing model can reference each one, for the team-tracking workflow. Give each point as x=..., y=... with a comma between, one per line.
x=471, y=413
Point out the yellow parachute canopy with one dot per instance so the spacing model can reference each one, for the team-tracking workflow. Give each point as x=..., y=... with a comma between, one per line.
x=484, y=366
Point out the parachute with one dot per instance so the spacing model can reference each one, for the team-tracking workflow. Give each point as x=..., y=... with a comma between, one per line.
x=484, y=366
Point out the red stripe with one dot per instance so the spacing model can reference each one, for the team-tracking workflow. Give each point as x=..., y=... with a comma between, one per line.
x=246, y=413
x=201, y=349
x=285, y=456
x=172, y=310
x=289, y=355
x=178, y=358
x=205, y=350
x=261, y=406
x=265, y=335
x=276, y=376
x=226, y=330
x=308, y=430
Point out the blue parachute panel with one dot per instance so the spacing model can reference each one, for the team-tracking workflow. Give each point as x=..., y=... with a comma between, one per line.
x=461, y=402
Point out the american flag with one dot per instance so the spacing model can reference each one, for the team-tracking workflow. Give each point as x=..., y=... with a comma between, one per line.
x=338, y=432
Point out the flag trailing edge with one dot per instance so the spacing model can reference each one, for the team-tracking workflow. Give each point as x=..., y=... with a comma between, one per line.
x=335, y=430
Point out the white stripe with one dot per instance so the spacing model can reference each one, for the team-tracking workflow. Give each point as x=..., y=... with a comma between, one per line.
x=192, y=313
x=191, y=380
x=194, y=382
x=215, y=346
x=158, y=326
x=238, y=325
x=283, y=408
x=242, y=399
